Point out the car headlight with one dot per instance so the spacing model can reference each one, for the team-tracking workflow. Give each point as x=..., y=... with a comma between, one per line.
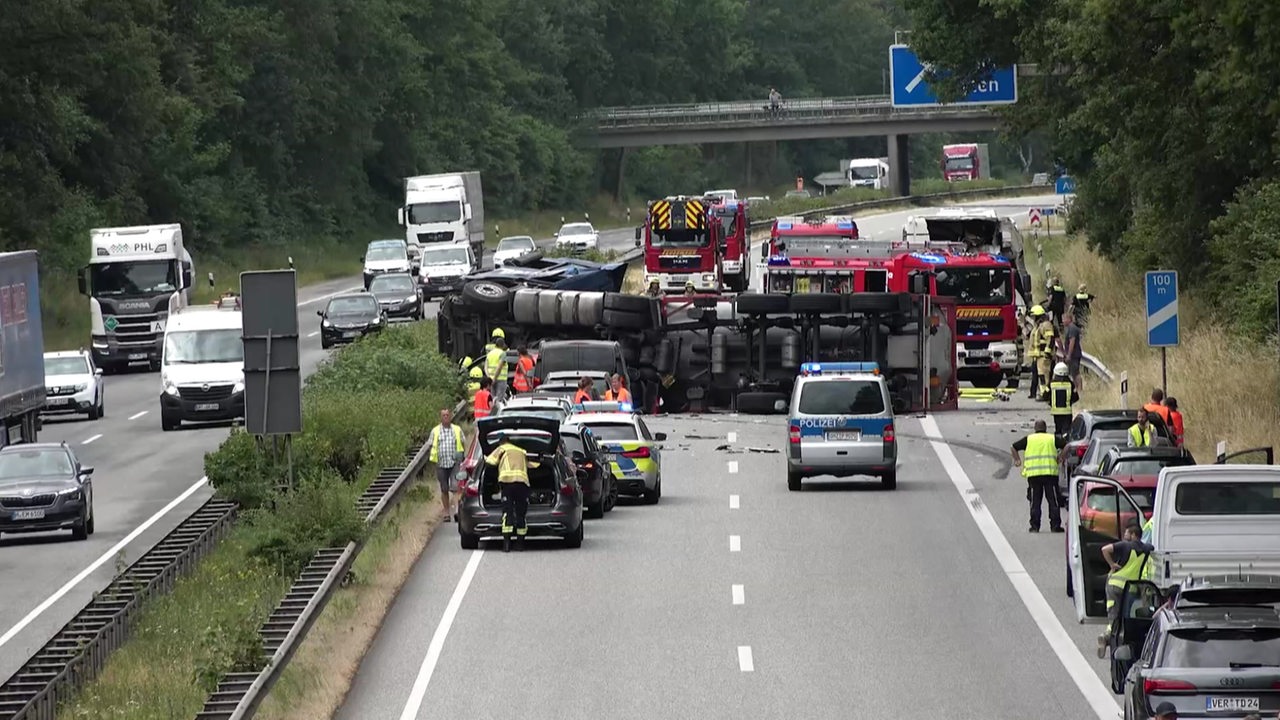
x=71, y=493
x=238, y=387
x=82, y=387
x=326, y=324
x=170, y=388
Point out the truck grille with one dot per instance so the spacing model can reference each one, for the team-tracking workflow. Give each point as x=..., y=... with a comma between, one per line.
x=14, y=502
x=136, y=329
x=61, y=390
x=434, y=237
x=205, y=392
x=991, y=326
x=678, y=262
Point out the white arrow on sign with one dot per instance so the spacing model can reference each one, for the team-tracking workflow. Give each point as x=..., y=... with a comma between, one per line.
x=1162, y=315
x=925, y=69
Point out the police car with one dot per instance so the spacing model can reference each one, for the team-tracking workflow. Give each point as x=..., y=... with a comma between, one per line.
x=635, y=453
x=841, y=423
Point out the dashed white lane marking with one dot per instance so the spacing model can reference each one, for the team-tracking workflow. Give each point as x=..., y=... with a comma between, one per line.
x=733, y=502
x=106, y=556
x=89, y=440
x=732, y=437
x=137, y=415
x=428, y=668
x=735, y=543
x=1097, y=694
x=313, y=334
x=745, y=662
x=322, y=298
x=733, y=466
x=739, y=595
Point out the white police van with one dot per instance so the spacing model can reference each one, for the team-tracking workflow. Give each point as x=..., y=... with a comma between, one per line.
x=841, y=423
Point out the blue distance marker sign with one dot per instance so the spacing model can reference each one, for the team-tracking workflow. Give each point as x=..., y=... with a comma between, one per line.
x=1162, y=308
x=909, y=85
x=1065, y=185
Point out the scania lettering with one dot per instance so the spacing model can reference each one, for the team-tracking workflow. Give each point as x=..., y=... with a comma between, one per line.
x=135, y=277
x=679, y=247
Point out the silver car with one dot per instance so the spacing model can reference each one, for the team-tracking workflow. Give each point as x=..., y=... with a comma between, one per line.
x=841, y=423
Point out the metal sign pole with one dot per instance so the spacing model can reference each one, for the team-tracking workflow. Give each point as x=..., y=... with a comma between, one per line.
x=266, y=403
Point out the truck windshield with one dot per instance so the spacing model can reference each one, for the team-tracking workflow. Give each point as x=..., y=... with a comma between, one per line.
x=143, y=277
x=445, y=256
x=959, y=163
x=976, y=286
x=436, y=212
x=864, y=173
x=680, y=238
x=728, y=224
x=203, y=346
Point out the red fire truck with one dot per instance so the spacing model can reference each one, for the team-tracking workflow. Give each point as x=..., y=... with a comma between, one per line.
x=730, y=230
x=823, y=256
x=679, y=245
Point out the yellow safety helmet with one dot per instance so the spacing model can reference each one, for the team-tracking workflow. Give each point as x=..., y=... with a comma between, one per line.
x=498, y=333
x=464, y=362
x=1037, y=311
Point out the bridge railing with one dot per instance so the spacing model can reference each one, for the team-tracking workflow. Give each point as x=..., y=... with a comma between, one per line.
x=795, y=110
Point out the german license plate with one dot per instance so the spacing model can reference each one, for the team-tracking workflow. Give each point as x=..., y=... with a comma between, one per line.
x=28, y=514
x=58, y=401
x=1232, y=704
x=980, y=353
x=137, y=356
x=845, y=435
x=206, y=406
x=350, y=335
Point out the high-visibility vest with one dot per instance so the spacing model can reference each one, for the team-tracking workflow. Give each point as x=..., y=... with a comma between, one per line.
x=513, y=463
x=582, y=396
x=523, y=367
x=1138, y=438
x=1060, y=397
x=473, y=381
x=1148, y=570
x=495, y=364
x=435, y=442
x=624, y=395
x=1158, y=409
x=1041, y=456
x=1179, y=430
x=1045, y=339
x=481, y=404
x=1131, y=570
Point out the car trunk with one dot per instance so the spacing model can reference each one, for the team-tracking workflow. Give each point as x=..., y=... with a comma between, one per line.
x=543, y=487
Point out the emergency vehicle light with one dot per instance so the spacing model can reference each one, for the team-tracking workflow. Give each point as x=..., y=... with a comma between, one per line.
x=779, y=260
x=844, y=225
x=784, y=226
x=929, y=257
x=1000, y=258
x=603, y=406
x=839, y=368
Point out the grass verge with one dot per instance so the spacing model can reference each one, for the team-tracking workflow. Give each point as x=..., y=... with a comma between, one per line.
x=361, y=409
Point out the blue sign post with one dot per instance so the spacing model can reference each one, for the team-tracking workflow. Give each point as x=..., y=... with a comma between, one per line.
x=909, y=86
x=1163, y=329
x=1065, y=185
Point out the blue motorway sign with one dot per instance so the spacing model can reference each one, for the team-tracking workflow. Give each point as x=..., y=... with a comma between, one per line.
x=1162, y=308
x=909, y=86
x=1065, y=185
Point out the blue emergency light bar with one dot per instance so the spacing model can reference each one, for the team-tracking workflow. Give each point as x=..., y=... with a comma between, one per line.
x=779, y=260
x=1000, y=258
x=603, y=406
x=839, y=368
x=784, y=226
x=845, y=225
x=930, y=258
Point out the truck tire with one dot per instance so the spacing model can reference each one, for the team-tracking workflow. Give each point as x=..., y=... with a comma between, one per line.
x=752, y=303
x=548, y=307
x=877, y=303
x=623, y=320
x=488, y=296
x=524, y=306
x=526, y=259
x=638, y=304
x=761, y=403
x=817, y=303
x=568, y=316
x=590, y=308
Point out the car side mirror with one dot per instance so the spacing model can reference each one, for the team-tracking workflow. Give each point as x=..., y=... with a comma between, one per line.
x=1124, y=653
x=98, y=372
x=86, y=471
x=320, y=313
x=660, y=437
x=578, y=457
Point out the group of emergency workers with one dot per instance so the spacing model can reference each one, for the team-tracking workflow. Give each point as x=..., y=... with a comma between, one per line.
x=1047, y=337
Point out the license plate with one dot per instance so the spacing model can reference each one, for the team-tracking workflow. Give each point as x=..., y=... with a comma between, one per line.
x=980, y=353
x=206, y=406
x=28, y=514
x=137, y=356
x=350, y=335
x=58, y=401
x=845, y=436
x=1231, y=704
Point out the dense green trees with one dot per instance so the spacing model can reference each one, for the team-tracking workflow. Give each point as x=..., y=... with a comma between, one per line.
x=1166, y=111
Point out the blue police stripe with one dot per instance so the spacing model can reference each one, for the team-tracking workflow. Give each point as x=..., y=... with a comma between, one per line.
x=873, y=427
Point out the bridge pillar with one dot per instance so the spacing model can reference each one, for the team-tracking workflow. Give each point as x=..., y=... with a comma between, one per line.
x=900, y=165
x=622, y=174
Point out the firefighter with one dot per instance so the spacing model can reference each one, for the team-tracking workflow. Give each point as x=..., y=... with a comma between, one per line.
x=474, y=375
x=655, y=288
x=513, y=466
x=1042, y=338
x=1033, y=350
x=1062, y=395
x=495, y=367
x=497, y=333
x=522, y=381
x=1057, y=299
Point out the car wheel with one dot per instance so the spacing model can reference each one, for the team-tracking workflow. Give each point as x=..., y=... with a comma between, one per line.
x=889, y=480
x=574, y=540
x=794, y=481
x=1011, y=381
x=651, y=497
x=325, y=344
x=595, y=510
x=80, y=531
x=102, y=405
x=613, y=495
x=469, y=541
x=88, y=526
x=95, y=412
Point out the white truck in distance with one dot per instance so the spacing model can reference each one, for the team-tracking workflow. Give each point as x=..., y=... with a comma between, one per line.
x=135, y=277
x=446, y=208
x=867, y=172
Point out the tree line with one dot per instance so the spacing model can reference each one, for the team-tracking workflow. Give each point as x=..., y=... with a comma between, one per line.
x=1166, y=114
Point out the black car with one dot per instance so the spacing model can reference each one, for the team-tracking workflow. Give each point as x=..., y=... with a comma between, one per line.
x=599, y=490
x=1212, y=649
x=1085, y=424
x=44, y=487
x=398, y=295
x=348, y=318
x=555, y=498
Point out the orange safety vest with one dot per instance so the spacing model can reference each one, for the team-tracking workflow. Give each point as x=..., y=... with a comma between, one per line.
x=1160, y=410
x=582, y=396
x=482, y=404
x=521, y=381
x=624, y=395
x=1179, y=431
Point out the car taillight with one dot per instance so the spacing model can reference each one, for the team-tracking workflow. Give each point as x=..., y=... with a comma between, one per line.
x=637, y=453
x=1080, y=449
x=888, y=433
x=567, y=489
x=794, y=434
x=471, y=489
x=1160, y=685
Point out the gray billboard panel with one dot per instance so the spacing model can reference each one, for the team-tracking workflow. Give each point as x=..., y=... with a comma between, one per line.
x=272, y=378
x=269, y=299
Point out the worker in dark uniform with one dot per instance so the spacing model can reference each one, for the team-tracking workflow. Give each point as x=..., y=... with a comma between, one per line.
x=1042, y=451
x=513, y=466
x=1062, y=395
x=1057, y=300
x=1080, y=304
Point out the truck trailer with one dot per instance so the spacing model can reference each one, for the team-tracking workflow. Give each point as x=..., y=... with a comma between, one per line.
x=22, y=388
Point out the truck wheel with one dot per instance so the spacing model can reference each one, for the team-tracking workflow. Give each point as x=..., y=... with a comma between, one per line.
x=816, y=303
x=488, y=296
x=762, y=304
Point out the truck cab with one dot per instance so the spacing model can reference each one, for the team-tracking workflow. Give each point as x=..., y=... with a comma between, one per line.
x=135, y=278
x=729, y=229
x=446, y=208
x=820, y=256
x=202, y=367
x=678, y=246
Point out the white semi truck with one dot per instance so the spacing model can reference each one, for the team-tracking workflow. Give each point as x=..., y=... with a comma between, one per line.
x=135, y=277
x=867, y=172
x=446, y=208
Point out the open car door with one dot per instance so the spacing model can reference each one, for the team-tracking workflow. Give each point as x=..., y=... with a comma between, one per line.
x=1252, y=456
x=1087, y=537
x=1138, y=605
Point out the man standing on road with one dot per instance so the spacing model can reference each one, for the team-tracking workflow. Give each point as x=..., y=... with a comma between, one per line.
x=1042, y=451
x=1071, y=349
x=495, y=366
x=1062, y=395
x=1126, y=559
x=446, y=450
x=513, y=466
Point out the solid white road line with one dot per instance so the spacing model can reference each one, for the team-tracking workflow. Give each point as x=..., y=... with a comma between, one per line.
x=89, y=440
x=745, y=662
x=733, y=466
x=106, y=556
x=735, y=543
x=313, y=333
x=732, y=437
x=733, y=502
x=1095, y=692
x=322, y=298
x=739, y=595
x=137, y=415
x=419, y=690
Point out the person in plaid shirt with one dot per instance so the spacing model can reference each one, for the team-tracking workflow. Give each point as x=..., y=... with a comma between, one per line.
x=446, y=451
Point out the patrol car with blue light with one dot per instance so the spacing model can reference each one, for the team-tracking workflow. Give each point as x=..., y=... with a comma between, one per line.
x=840, y=423
x=635, y=453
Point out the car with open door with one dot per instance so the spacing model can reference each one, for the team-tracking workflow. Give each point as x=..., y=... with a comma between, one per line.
x=555, y=498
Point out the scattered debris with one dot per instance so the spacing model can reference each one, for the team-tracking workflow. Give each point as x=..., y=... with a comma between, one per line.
x=763, y=450
x=702, y=437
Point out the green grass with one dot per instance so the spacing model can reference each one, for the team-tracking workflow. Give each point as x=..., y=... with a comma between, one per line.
x=605, y=213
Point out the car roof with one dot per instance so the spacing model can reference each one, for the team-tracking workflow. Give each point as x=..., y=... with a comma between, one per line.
x=532, y=400
x=386, y=243
x=34, y=446
x=578, y=224
x=1154, y=451
x=1264, y=616
x=618, y=418
x=1112, y=414
x=516, y=237
x=363, y=295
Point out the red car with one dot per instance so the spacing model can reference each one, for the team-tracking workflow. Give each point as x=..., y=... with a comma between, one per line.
x=1137, y=469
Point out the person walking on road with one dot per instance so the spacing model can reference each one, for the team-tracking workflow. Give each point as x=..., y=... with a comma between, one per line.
x=1042, y=451
x=1071, y=351
x=1177, y=429
x=513, y=466
x=1140, y=432
x=446, y=451
x=1062, y=395
x=1127, y=559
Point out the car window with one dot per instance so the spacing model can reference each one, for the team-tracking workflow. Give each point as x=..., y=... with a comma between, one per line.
x=516, y=243
x=644, y=429
x=1220, y=647
x=377, y=253
x=614, y=432
x=1228, y=498
x=1077, y=429
x=1149, y=647
x=448, y=255
x=551, y=413
x=573, y=443
x=1103, y=499
x=77, y=365
x=393, y=283
x=841, y=397
x=352, y=305
x=34, y=463
x=1145, y=466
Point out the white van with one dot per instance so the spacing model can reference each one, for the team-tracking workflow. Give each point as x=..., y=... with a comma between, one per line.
x=202, y=367
x=1207, y=520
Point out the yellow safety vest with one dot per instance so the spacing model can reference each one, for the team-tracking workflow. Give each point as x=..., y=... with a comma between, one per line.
x=1131, y=570
x=1060, y=398
x=495, y=365
x=1041, y=456
x=1148, y=570
x=1044, y=339
x=435, y=442
x=1138, y=438
x=513, y=463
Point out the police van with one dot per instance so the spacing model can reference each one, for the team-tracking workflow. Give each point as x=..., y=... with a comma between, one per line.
x=841, y=423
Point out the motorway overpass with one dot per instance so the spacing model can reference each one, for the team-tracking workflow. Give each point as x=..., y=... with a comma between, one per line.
x=798, y=119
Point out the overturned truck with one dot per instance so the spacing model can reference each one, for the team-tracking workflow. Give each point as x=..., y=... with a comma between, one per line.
x=738, y=353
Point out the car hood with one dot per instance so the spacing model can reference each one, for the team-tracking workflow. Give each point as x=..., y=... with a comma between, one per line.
x=211, y=373
x=35, y=485
x=352, y=318
x=445, y=270
x=64, y=380
x=534, y=434
x=391, y=296
x=384, y=265
x=585, y=237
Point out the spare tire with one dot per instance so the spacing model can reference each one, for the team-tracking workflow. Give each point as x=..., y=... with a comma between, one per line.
x=877, y=303
x=526, y=259
x=621, y=302
x=590, y=308
x=762, y=403
x=488, y=296
x=817, y=303
x=753, y=303
x=524, y=306
x=569, y=307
